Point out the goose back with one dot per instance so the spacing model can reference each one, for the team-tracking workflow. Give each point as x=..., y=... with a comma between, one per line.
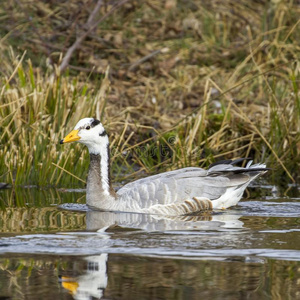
x=182, y=184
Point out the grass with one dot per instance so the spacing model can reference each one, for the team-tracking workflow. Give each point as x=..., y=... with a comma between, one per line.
x=176, y=83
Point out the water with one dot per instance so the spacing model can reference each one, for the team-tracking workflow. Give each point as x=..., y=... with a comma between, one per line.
x=251, y=251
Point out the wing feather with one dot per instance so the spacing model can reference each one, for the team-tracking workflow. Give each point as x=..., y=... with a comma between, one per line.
x=180, y=185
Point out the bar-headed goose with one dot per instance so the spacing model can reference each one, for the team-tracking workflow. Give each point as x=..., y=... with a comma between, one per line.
x=180, y=192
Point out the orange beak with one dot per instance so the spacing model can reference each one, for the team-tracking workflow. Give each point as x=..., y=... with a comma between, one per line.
x=69, y=284
x=71, y=137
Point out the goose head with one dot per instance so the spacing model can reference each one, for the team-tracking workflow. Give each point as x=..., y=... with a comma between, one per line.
x=90, y=132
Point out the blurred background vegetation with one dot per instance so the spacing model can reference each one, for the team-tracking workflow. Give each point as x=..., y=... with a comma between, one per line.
x=176, y=82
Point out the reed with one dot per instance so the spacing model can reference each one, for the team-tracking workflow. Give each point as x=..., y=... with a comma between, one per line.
x=177, y=85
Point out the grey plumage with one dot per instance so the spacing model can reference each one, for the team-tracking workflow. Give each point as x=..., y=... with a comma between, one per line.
x=183, y=184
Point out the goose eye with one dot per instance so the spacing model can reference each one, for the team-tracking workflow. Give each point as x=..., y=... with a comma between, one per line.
x=88, y=127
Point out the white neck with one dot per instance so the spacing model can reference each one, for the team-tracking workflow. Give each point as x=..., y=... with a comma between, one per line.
x=99, y=190
x=104, y=169
x=97, y=147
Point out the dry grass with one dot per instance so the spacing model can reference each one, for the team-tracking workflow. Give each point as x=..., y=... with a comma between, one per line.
x=187, y=82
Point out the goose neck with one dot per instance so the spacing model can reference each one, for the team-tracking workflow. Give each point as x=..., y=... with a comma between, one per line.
x=99, y=181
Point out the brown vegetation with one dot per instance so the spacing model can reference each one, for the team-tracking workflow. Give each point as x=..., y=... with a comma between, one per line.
x=187, y=82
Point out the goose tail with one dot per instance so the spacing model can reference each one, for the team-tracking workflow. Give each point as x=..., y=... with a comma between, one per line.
x=228, y=166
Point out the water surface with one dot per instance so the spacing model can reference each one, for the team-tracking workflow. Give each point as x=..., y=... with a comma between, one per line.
x=251, y=251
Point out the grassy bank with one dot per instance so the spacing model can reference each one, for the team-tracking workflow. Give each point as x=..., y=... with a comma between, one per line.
x=176, y=83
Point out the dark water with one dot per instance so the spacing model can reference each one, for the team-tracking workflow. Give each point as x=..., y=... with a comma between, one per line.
x=251, y=251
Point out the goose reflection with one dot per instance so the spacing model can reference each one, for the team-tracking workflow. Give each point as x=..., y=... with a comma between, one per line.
x=101, y=221
x=92, y=284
